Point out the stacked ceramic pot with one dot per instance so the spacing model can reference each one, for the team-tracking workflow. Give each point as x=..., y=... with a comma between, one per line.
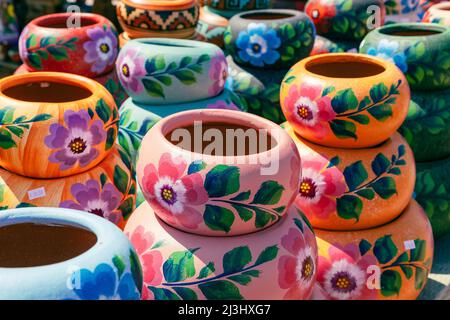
x=57, y=146
x=86, y=45
x=263, y=45
x=220, y=224
x=422, y=52
x=358, y=175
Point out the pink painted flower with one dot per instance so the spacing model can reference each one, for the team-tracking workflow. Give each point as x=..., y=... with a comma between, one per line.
x=130, y=69
x=150, y=258
x=344, y=276
x=218, y=74
x=308, y=110
x=172, y=194
x=319, y=187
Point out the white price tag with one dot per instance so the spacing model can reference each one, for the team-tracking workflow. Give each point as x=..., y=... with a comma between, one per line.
x=36, y=193
x=409, y=244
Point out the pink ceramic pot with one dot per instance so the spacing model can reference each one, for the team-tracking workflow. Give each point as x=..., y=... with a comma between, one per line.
x=217, y=195
x=276, y=263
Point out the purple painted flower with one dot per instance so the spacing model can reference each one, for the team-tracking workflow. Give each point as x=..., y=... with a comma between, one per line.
x=130, y=68
x=91, y=197
x=101, y=50
x=74, y=142
x=218, y=74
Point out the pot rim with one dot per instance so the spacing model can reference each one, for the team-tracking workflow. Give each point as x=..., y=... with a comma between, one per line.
x=440, y=29
x=37, y=22
x=173, y=43
x=160, y=4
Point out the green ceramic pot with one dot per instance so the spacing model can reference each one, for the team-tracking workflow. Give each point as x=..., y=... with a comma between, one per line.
x=420, y=50
x=229, y=8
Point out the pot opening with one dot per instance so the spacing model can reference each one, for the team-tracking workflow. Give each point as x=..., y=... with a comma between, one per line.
x=266, y=16
x=344, y=68
x=47, y=91
x=33, y=245
x=411, y=31
x=64, y=22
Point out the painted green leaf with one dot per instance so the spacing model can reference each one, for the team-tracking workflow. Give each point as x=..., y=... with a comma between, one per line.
x=378, y=92
x=187, y=77
x=244, y=213
x=179, y=266
x=360, y=118
x=6, y=140
x=407, y=271
x=153, y=88
x=35, y=61
x=127, y=207
x=364, y=246
x=380, y=164
x=222, y=180
x=420, y=278
x=327, y=91
x=18, y=132
x=385, y=249
x=268, y=254
x=236, y=259
x=206, y=270
x=103, y=111
x=289, y=79
x=242, y=279
x=381, y=112
x=163, y=294
x=120, y=179
x=391, y=283
x=119, y=264
x=196, y=166
x=269, y=192
x=40, y=117
x=343, y=129
x=349, y=207
x=252, y=273
x=136, y=270
x=242, y=196
x=262, y=218
x=418, y=253
x=220, y=290
x=355, y=174
x=344, y=100
x=385, y=187
x=218, y=218
x=186, y=293
x=368, y=194
x=110, y=138
x=364, y=103
x=58, y=53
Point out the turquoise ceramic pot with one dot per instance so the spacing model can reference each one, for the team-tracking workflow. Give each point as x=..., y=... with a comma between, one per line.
x=162, y=71
x=136, y=119
x=109, y=269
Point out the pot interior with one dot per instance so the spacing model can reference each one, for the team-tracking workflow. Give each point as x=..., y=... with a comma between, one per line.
x=221, y=139
x=266, y=16
x=47, y=91
x=411, y=31
x=61, y=22
x=344, y=68
x=33, y=245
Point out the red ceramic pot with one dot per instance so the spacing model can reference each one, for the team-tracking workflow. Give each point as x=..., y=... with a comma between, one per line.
x=48, y=44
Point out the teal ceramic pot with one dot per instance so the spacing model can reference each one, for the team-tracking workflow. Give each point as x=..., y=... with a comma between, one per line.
x=427, y=125
x=136, y=119
x=420, y=50
x=432, y=191
x=89, y=259
x=269, y=39
x=162, y=71
x=229, y=8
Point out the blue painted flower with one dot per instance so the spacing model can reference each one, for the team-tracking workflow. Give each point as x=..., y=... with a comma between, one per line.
x=258, y=45
x=409, y=5
x=103, y=283
x=388, y=50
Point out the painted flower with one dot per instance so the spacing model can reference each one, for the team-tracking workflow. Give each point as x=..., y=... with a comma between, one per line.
x=91, y=197
x=388, y=50
x=344, y=274
x=101, y=49
x=258, y=45
x=409, y=5
x=308, y=109
x=218, y=74
x=297, y=270
x=172, y=194
x=321, y=12
x=223, y=105
x=103, y=284
x=320, y=185
x=150, y=258
x=130, y=68
x=75, y=140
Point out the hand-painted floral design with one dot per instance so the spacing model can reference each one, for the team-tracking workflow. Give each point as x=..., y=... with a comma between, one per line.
x=409, y=5
x=101, y=49
x=130, y=68
x=388, y=50
x=321, y=13
x=258, y=45
x=172, y=194
x=218, y=74
x=75, y=141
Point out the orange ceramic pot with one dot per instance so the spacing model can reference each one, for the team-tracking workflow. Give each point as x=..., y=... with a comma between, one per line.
x=212, y=26
x=353, y=189
x=438, y=13
x=107, y=190
x=66, y=121
x=124, y=37
x=345, y=100
x=391, y=262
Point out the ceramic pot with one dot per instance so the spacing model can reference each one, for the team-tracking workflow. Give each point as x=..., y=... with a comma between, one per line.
x=324, y=45
x=108, y=190
x=384, y=263
x=269, y=39
x=66, y=121
x=427, y=126
x=125, y=37
x=214, y=190
x=345, y=100
x=289, y=4
x=348, y=20
x=168, y=71
x=432, y=185
x=438, y=13
x=48, y=44
x=230, y=8
x=66, y=255
x=342, y=189
x=276, y=263
x=406, y=10
x=212, y=26
x=137, y=119
x=421, y=51
x=166, y=19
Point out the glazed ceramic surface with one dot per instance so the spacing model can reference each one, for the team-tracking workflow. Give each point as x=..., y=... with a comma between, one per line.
x=432, y=192
x=345, y=19
x=48, y=43
x=324, y=45
x=212, y=26
x=345, y=100
x=427, y=126
x=239, y=5
x=269, y=39
x=108, y=190
x=344, y=189
x=108, y=270
x=124, y=37
x=403, y=10
x=389, y=262
x=421, y=51
x=438, y=13
x=163, y=18
x=137, y=119
x=70, y=134
x=277, y=263
x=168, y=71
x=218, y=195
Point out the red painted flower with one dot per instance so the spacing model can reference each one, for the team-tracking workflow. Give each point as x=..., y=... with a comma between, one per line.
x=172, y=194
x=344, y=276
x=321, y=12
x=308, y=110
